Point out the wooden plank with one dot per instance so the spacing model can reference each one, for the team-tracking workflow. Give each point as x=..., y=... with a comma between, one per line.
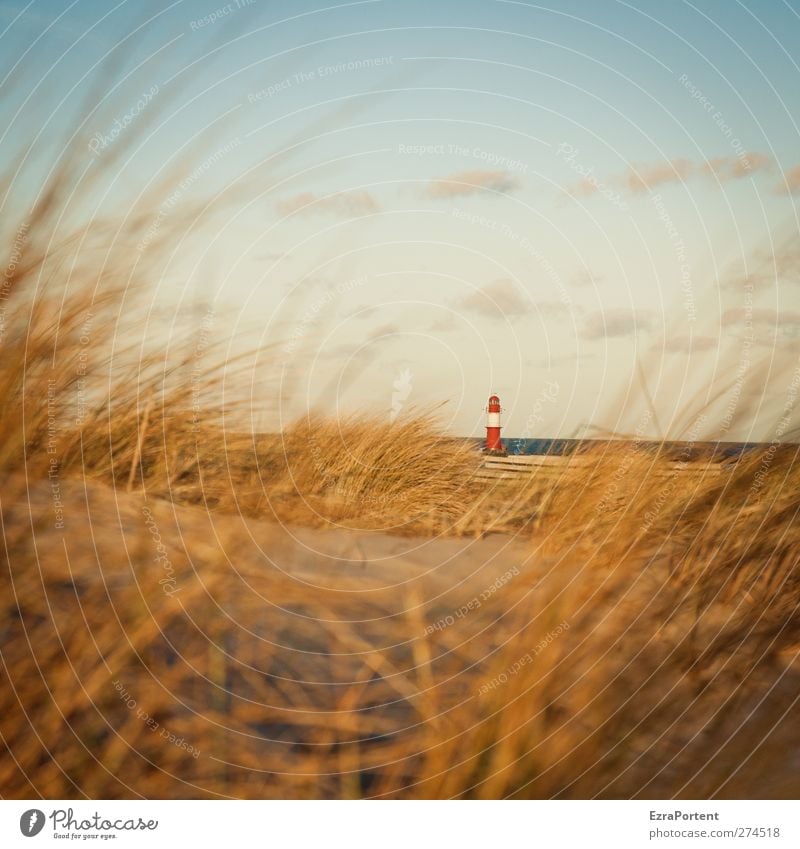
x=514, y=467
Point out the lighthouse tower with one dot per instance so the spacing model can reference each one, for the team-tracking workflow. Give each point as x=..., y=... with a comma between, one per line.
x=493, y=426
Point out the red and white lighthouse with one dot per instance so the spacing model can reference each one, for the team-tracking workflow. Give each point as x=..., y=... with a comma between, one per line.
x=493, y=425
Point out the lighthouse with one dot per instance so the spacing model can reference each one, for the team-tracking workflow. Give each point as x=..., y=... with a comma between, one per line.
x=493, y=443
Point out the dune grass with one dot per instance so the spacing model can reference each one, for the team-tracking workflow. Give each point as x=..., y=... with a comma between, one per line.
x=643, y=641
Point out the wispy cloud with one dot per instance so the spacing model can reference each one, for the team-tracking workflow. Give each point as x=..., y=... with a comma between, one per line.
x=786, y=260
x=769, y=268
x=384, y=330
x=584, y=188
x=468, y=182
x=616, y=324
x=363, y=312
x=347, y=204
x=645, y=177
x=790, y=184
x=444, y=325
x=766, y=317
x=689, y=344
x=552, y=362
x=501, y=298
x=726, y=168
x=770, y=328
x=586, y=279
x=555, y=309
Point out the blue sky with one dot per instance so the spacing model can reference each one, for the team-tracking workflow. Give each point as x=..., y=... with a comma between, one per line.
x=462, y=197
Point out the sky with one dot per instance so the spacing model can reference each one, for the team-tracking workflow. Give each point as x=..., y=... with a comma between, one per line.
x=589, y=208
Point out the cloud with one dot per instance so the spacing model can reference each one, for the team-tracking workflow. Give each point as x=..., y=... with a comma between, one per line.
x=616, y=324
x=790, y=184
x=468, y=182
x=444, y=325
x=645, y=177
x=769, y=268
x=585, y=278
x=790, y=346
x=739, y=281
x=584, y=188
x=726, y=168
x=505, y=298
x=347, y=204
x=766, y=317
x=554, y=309
x=689, y=344
x=347, y=349
x=358, y=350
x=272, y=256
x=361, y=313
x=552, y=362
x=768, y=327
x=786, y=260
x=383, y=331
x=497, y=299
x=642, y=178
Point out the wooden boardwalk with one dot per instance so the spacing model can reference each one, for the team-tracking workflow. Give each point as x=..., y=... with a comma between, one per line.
x=518, y=466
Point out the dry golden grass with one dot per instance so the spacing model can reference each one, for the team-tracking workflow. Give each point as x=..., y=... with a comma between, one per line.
x=297, y=675
x=170, y=583
x=358, y=473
